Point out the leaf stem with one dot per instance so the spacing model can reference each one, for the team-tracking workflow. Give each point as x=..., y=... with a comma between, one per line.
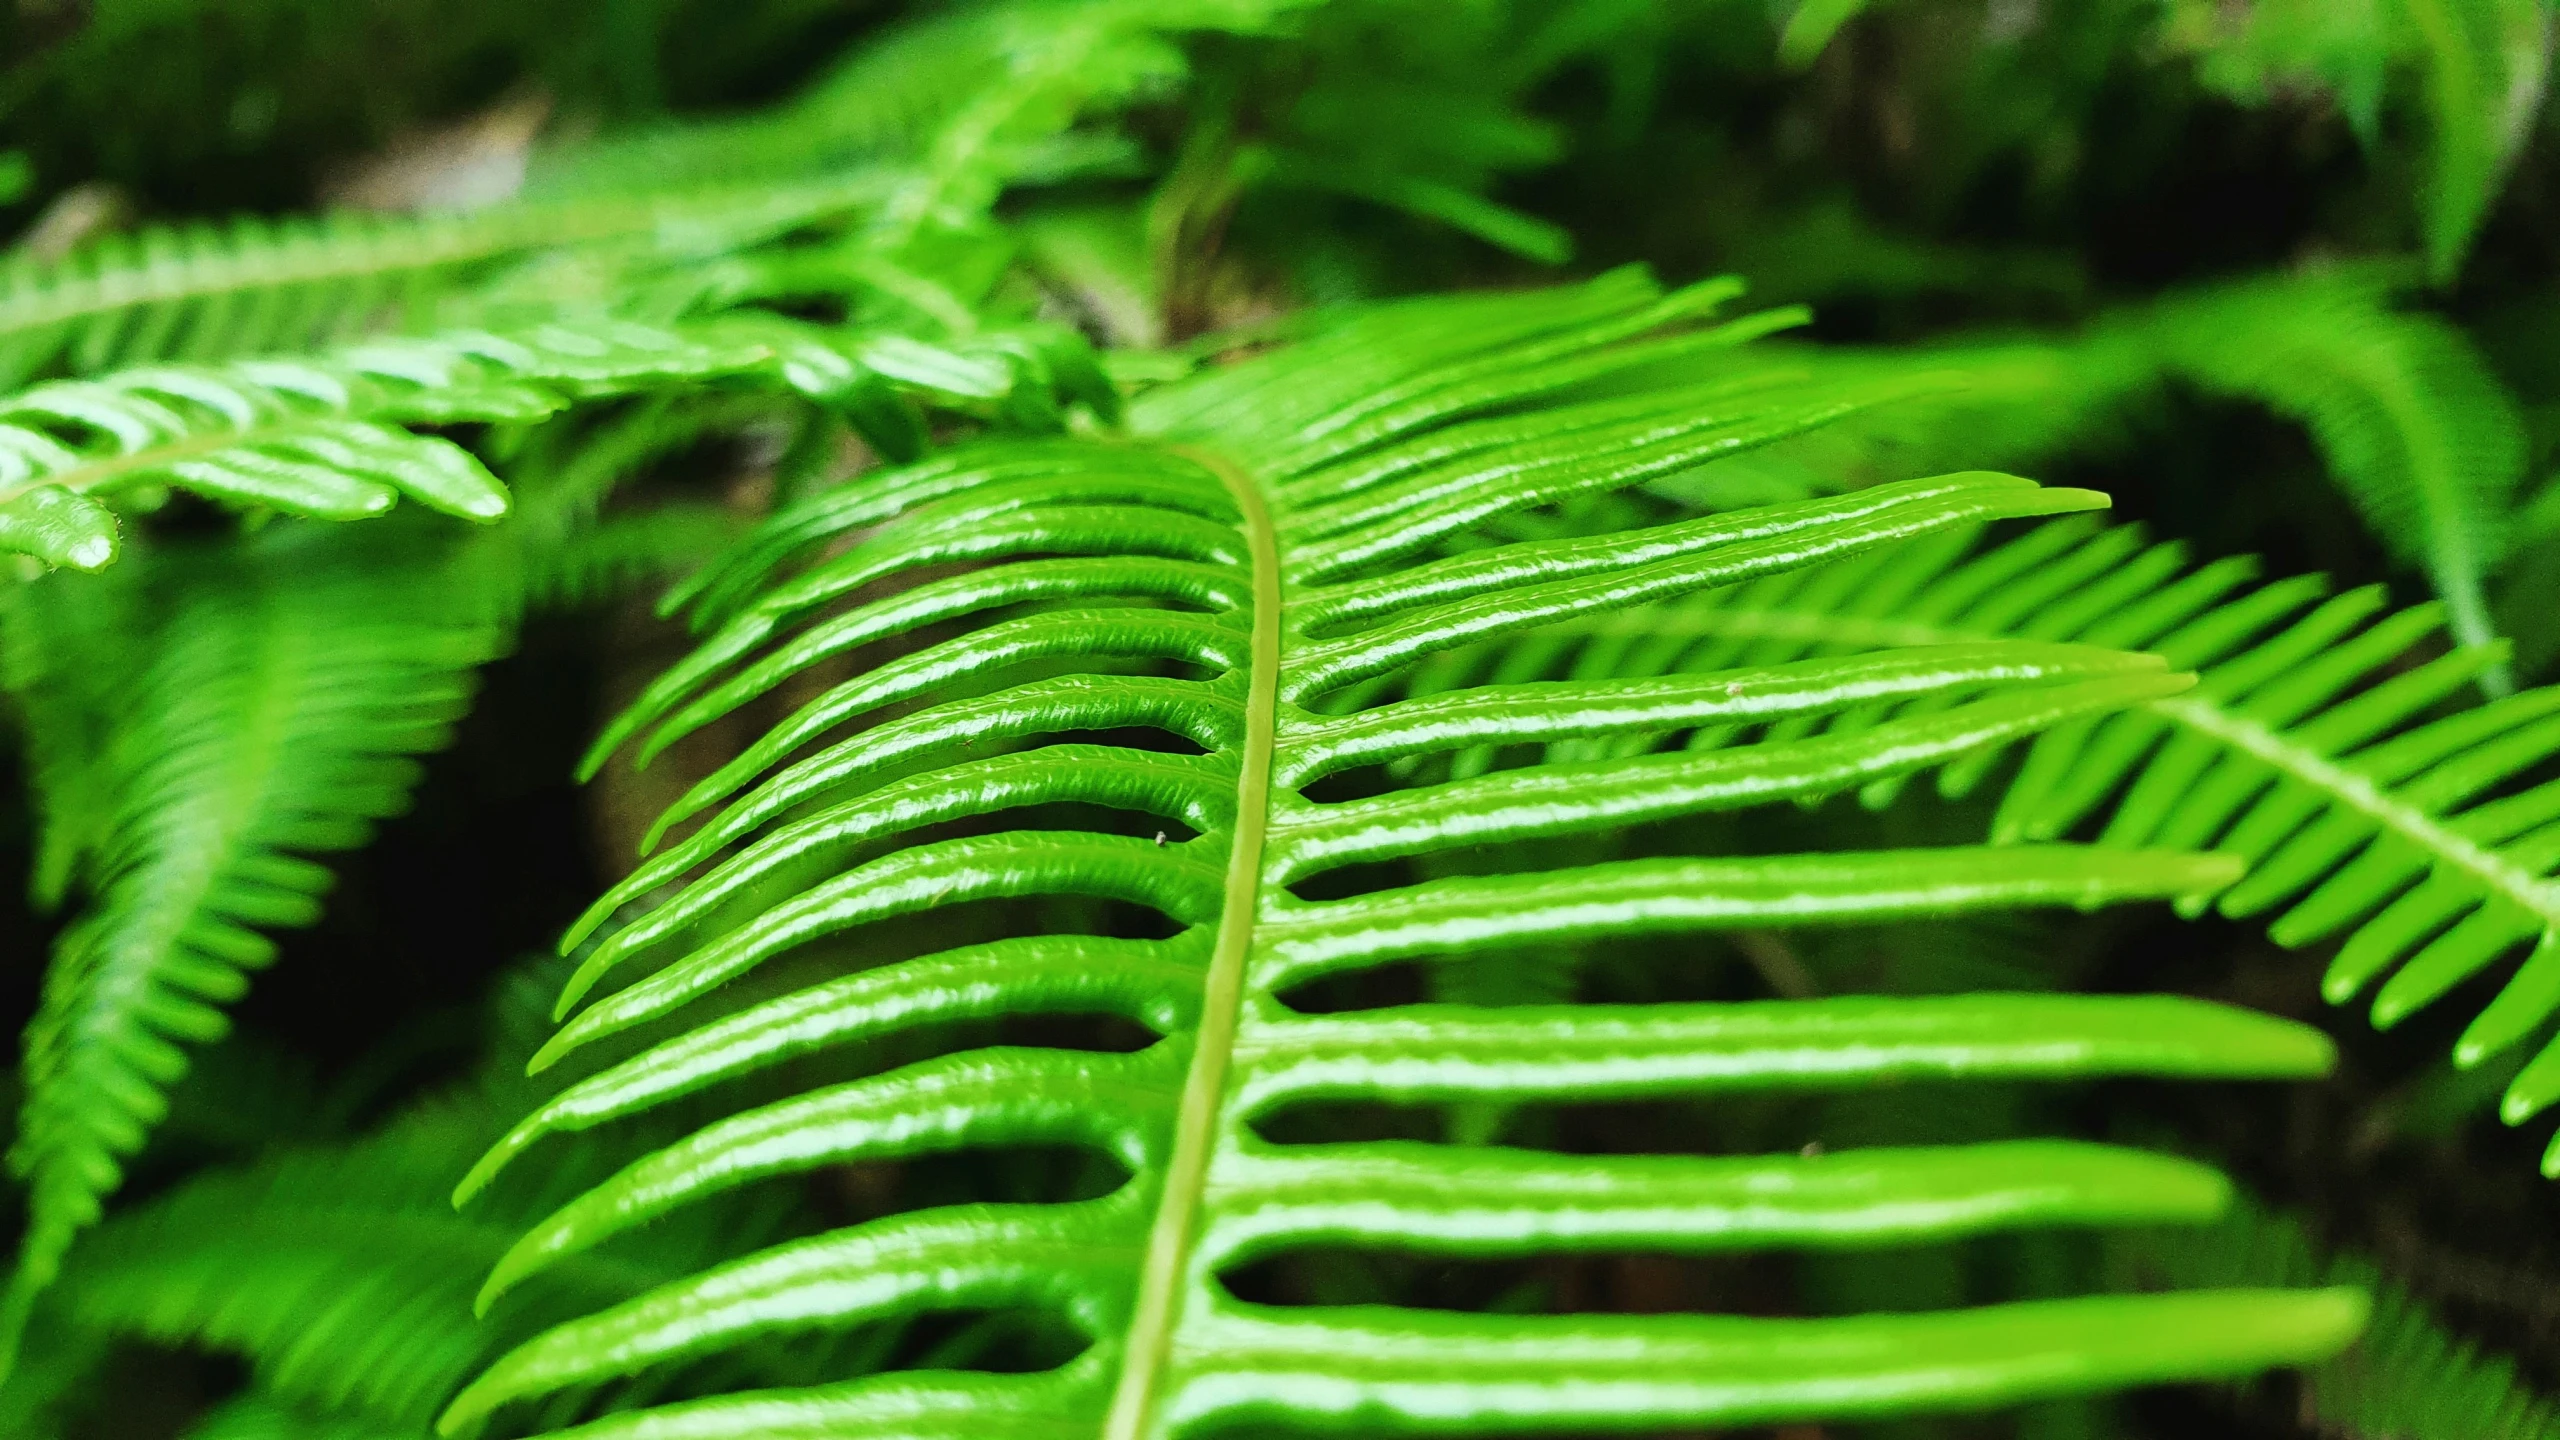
x=1162, y=1279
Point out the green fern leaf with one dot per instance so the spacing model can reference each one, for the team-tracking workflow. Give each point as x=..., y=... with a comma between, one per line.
x=345, y=1276
x=1282, y=531
x=2316, y=748
x=287, y=680
x=2414, y=428
x=212, y=291
x=2407, y=1375
x=323, y=437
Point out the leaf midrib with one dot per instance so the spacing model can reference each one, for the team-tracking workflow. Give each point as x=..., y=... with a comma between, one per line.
x=2526, y=890
x=1158, y=1307
x=100, y=474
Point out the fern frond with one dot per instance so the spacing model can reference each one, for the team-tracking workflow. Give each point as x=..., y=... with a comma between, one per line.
x=2319, y=748
x=992, y=86
x=215, y=290
x=342, y=1273
x=325, y=437
x=2413, y=427
x=287, y=681
x=1278, y=533
x=2483, y=67
x=262, y=722
x=345, y=1275
x=2407, y=1375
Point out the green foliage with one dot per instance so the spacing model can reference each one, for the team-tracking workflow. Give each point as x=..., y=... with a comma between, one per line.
x=2414, y=428
x=186, y=794
x=1285, y=528
x=2483, y=66
x=187, y=783
x=342, y=1272
x=326, y=436
x=1237, y=886
x=2317, y=748
x=966, y=100
x=207, y=292
x=2407, y=1375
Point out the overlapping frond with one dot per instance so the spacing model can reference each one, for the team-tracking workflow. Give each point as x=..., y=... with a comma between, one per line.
x=344, y=435
x=215, y=290
x=2411, y=423
x=2407, y=1375
x=266, y=703
x=2416, y=430
x=994, y=86
x=343, y=1274
x=2326, y=747
x=328, y=436
x=1122, y=692
x=2482, y=65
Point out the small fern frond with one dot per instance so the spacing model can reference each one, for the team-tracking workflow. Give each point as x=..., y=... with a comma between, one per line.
x=2482, y=64
x=287, y=681
x=1133, y=710
x=1001, y=80
x=2406, y=1376
x=345, y=1276
x=212, y=291
x=2413, y=427
x=342, y=1273
x=1055, y=63
x=2317, y=749
x=324, y=437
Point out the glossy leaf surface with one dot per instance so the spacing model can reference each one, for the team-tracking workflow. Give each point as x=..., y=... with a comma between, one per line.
x=1161, y=682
